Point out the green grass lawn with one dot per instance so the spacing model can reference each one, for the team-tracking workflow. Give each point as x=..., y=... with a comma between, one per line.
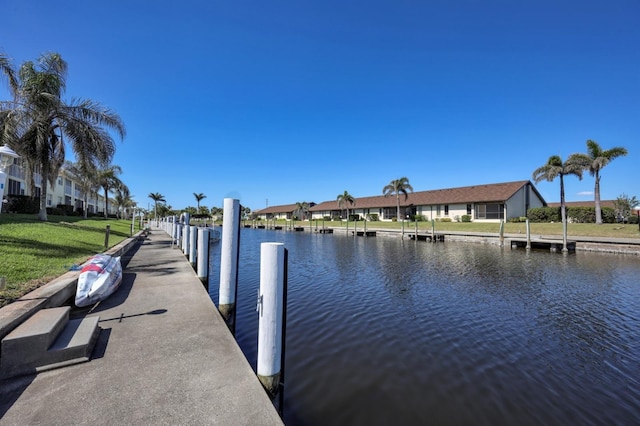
x=34, y=252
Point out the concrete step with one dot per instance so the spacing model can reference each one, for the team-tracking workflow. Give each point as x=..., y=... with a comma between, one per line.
x=47, y=340
x=74, y=344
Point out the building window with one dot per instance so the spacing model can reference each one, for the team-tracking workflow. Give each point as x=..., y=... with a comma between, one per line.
x=438, y=210
x=13, y=187
x=59, y=181
x=469, y=209
x=446, y=209
x=490, y=211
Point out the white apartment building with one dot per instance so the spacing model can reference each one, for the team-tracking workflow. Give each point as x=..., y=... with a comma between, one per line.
x=65, y=192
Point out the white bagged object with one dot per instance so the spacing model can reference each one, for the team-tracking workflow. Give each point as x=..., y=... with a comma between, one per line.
x=98, y=279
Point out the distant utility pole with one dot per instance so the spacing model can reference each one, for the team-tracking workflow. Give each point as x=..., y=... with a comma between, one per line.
x=267, y=202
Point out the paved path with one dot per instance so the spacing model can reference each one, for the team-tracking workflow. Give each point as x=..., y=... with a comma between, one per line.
x=164, y=356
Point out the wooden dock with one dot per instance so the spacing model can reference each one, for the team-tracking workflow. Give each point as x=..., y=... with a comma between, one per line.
x=434, y=238
x=541, y=243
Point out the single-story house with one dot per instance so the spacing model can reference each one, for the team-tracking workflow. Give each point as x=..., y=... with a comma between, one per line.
x=286, y=211
x=490, y=202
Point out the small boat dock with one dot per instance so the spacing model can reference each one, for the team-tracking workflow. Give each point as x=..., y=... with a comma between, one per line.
x=434, y=238
x=552, y=245
x=364, y=233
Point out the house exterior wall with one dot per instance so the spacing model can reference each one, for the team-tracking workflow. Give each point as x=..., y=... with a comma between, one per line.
x=523, y=199
x=440, y=211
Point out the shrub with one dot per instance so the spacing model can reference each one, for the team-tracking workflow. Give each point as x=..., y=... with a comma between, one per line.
x=417, y=218
x=544, y=214
x=354, y=217
x=581, y=214
x=588, y=214
x=465, y=218
x=55, y=211
x=22, y=204
x=608, y=215
x=445, y=219
x=327, y=218
x=517, y=219
x=373, y=217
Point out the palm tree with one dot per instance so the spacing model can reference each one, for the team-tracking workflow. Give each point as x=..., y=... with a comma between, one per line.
x=156, y=197
x=556, y=168
x=6, y=68
x=199, y=197
x=595, y=159
x=108, y=179
x=344, y=200
x=38, y=123
x=397, y=187
x=86, y=177
x=302, y=208
x=123, y=200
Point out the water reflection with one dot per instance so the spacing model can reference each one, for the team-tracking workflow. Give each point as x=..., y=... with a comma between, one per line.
x=384, y=330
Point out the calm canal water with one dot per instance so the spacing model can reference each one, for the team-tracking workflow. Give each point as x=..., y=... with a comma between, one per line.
x=390, y=331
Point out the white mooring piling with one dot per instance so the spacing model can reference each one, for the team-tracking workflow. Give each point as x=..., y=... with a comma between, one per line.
x=203, y=256
x=193, y=244
x=230, y=245
x=174, y=232
x=184, y=220
x=270, y=311
x=185, y=239
x=528, y=235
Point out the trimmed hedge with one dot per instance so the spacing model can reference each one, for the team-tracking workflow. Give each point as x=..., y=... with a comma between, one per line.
x=574, y=214
x=22, y=204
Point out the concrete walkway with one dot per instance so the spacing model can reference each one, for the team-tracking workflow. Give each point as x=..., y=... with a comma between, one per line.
x=164, y=356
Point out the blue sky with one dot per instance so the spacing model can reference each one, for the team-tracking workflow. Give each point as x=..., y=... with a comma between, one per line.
x=292, y=101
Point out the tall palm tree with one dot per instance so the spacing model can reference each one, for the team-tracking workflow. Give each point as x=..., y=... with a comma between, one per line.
x=344, y=200
x=123, y=200
x=108, y=179
x=199, y=197
x=86, y=177
x=302, y=208
x=594, y=161
x=556, y=168
x=397, y=187
x=156, y=197
x=6, y=68
x=38, y=123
